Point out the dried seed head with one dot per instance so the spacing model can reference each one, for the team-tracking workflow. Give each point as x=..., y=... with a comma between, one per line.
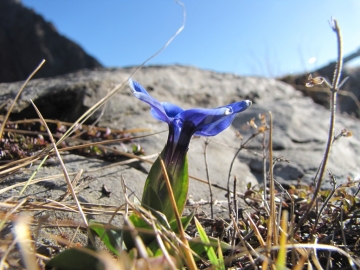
x=238, y=134
x=262, y=118
x=314, y=81
x=251, y=123
x=346, y=133
x=262, y=129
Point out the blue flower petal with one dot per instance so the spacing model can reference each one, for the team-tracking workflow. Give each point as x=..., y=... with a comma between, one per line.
x=171, y=109
x=210, y=122
x=157, y=110
x=203, y=122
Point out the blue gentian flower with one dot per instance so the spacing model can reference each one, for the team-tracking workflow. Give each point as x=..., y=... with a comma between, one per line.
x=183, y=124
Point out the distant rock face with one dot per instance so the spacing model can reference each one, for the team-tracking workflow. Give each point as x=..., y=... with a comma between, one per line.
x=348, y=99
x=26, y=38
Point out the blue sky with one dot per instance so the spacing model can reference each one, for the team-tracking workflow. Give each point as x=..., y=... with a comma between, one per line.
x=258, y=37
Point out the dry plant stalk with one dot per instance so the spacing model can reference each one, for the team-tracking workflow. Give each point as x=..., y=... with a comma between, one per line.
x=67, y=178
x=333, y=99
x=23, y=237
x=271, y=228
x=2, y=127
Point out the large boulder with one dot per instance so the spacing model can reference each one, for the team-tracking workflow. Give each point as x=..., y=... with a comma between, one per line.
x=300, y=126
x=26, y=38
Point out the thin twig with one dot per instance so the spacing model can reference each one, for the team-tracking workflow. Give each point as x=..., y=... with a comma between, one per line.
x=333, y=100
x=236, y=219
x=162, y=246
x=246, y=246
x=271, y=228
x=242, y=146
x=342, y=228
x=208, y=177
x=235, y=200
x=329, y=259
x=325, y=203
x=267, y=207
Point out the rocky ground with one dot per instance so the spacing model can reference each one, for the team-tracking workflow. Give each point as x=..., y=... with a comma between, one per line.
x=300, y=132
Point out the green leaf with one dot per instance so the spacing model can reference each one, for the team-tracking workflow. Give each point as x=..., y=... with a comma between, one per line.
x=221, y=257
x=198, y=246
x=109, y=234
x=153, y=183
x=156, y=195
x=179, y=180
x=185, y=221
x=151, y=200
x=248, y=185
x=139, y=223
x=210, y=252
x=75, y=259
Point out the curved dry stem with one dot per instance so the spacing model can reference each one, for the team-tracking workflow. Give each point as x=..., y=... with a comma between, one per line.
x=242, y=146
x=17, y=97
x=333, y=100
x=102, y=101
x=63, y=166
x=208, y=177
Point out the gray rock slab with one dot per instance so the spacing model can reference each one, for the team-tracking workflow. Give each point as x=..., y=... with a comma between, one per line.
x=300, y=134
x=300, y=126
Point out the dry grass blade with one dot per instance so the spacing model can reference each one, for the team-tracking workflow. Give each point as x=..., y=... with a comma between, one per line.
x=18, y=164
x=189, y=257
x=53, y=177
x=301, y=262
x=271, y=228
x=88, y=208
x=3, y=265
x=244, y=244
x=33, y=175
x=23, y=237
x=281, y=259
x=162, y=247
x=355, y=264
x=17, y=97
x=255, y=229
x=12, y=211
x=85, y=127
x=242, y=146
x=63, y=166
x=102, y=101
x=136, y=238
